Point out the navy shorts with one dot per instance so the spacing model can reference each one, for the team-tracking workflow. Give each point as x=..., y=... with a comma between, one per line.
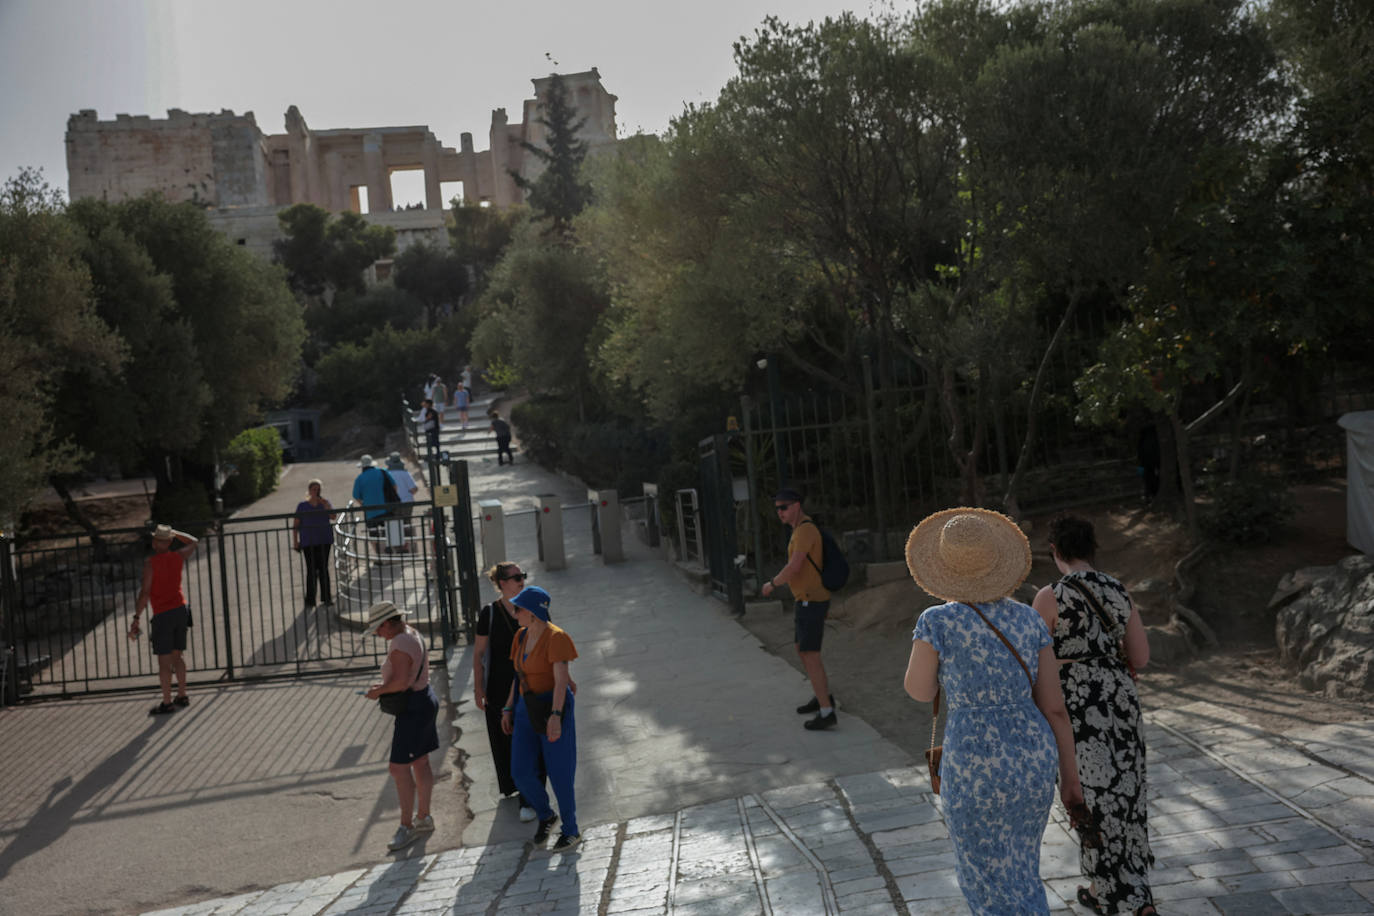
x=811, y=624
x=168, y=632
x=416, y=733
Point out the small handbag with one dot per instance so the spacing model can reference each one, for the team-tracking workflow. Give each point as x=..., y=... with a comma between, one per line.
x=936, y=750
x=397, y=701
x=1108, y=624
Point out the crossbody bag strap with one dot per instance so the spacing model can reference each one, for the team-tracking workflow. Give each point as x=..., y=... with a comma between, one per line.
x=1006, y=642
x=1077, y=586
x=935, y=718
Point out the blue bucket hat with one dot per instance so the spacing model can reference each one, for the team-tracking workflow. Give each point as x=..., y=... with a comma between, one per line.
x=535, y=600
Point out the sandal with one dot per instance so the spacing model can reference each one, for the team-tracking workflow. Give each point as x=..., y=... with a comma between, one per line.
x=182, y=700
x=162, y=709
x=1086, y=898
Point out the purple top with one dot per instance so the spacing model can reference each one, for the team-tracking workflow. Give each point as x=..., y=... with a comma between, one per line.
x=315, y=527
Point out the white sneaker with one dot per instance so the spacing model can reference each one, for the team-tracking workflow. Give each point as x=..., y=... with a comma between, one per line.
x=424, y=824
x=526, y=814
x=403, y=838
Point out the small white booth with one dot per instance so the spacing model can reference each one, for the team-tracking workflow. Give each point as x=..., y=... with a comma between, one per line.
x=1359, y=494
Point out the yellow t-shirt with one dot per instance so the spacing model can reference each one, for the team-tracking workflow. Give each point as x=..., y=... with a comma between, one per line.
x=806, y=585
x=554, y=646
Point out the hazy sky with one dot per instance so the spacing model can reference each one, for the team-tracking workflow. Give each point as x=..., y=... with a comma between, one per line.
x=348, y=63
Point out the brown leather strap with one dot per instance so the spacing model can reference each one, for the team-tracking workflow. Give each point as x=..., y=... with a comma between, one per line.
x=1029, y=680
x=934, y=718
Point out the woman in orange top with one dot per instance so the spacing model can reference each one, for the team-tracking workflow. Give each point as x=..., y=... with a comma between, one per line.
x=538, y=716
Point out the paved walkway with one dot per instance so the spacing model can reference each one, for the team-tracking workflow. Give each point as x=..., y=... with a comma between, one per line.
x=1243, y=822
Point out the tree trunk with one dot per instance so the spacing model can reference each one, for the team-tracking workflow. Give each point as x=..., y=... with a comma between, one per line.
x=1009, y=500
x=1185, y=473
x=1168, y=464
x=75, y=514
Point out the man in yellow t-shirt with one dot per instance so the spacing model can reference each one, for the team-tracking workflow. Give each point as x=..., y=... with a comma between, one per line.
x=802, y=575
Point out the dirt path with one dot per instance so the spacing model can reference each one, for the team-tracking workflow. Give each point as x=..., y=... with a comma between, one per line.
x=868, y=637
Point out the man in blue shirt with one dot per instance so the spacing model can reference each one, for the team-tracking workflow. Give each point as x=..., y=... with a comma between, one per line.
x=369, y=489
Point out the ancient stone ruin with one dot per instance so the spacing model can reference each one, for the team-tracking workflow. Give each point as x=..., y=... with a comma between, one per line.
x=243, y=176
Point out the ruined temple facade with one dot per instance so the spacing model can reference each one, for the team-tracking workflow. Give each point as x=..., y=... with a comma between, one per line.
x=243, y=176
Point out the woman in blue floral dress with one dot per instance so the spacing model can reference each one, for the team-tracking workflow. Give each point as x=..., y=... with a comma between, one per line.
x=1007, y=733
x=1094, y=621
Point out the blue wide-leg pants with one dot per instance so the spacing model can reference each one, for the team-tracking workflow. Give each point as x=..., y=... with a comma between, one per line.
x=560, y=761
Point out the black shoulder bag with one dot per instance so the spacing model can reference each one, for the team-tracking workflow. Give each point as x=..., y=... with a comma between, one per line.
x=395, y=702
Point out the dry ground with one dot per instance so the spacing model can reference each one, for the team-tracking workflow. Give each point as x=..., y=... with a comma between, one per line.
x=869, y=637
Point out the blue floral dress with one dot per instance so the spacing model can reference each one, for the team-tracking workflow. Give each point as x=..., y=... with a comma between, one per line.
x=1000, y=761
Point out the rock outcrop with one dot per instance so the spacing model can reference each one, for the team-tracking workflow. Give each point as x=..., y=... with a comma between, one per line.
x=1325, y=626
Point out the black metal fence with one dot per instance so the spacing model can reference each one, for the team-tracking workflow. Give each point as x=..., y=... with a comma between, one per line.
x=66, y=603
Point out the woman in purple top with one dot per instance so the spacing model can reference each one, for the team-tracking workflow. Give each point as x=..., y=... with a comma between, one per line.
x=312, y=534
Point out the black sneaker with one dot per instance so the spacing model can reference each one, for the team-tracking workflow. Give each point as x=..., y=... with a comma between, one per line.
x=541, y=836
x=820, y=722
x=813, y=705
x=567, y=842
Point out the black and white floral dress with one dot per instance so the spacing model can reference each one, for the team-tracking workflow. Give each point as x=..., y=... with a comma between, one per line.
x=1105, y=712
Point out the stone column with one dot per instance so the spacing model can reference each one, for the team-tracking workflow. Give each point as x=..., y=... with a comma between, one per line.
x=434, y=197
x=336, y=183
x=378, y=181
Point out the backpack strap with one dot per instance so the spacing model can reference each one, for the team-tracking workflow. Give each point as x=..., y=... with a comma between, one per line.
x=808, y=555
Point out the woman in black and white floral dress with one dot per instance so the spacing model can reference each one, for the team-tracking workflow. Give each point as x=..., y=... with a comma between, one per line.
x=1094, y=622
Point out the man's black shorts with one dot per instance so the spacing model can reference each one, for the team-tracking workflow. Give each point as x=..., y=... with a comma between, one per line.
x=169, y=630
x=811, y=624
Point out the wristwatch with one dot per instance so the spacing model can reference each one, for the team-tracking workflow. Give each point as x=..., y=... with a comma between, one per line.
x=556, y=712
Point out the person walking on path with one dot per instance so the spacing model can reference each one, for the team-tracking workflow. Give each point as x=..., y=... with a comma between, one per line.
x=539, y=716
x=312, y=534
x=416, y=734
x=1098, y=640
x=162, y=591
x=994, y=660
x=406, y=487
x=502, y=430
x=802, y=575
x=439, y=395
x=429, y=422
x=370, y=490
x=461, y=400
x=493, y=674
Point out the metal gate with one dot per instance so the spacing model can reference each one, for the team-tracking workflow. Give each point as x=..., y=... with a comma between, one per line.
x=720, y=540
x=66, y=607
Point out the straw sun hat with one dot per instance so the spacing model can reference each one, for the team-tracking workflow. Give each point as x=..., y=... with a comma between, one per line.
x=968, y=555
x=379, y=614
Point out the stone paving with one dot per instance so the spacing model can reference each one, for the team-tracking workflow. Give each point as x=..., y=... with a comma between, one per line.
x=1243, y=821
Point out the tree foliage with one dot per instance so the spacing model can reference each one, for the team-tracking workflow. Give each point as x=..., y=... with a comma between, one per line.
x=48, y=321
x=326, y=255
x=559, y=192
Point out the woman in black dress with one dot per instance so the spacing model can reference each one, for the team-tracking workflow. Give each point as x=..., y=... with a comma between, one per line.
x=1099, y=641
x=493, y=673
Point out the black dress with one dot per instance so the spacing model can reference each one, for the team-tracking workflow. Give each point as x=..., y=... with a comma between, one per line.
x=1105, y=712
x=500, y=628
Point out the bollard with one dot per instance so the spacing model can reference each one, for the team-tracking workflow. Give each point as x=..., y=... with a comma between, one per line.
x=606, y=525
x=493, y=531
x=548, y=526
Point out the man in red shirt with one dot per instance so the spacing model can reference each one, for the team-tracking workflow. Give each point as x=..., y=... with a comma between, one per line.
x=171, y=617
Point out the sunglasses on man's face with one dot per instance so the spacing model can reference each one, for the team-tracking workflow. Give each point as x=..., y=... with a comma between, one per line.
x=516, y=577
x=782, y=506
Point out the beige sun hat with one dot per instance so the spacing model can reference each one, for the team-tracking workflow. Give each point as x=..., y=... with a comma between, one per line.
x=966, y=554
x=379, y=614
x=162, y=533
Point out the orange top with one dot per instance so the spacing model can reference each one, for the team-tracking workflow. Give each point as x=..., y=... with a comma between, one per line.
x=806, y=586
x=536, y=667
x=165, y=593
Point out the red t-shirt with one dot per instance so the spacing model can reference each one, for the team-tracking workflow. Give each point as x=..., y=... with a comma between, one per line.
x=166, y=593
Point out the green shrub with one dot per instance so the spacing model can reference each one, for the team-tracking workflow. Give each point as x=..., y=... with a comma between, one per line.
x=1248, y=510
x=375, y=374
x=606, y=453
x=257, y=455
